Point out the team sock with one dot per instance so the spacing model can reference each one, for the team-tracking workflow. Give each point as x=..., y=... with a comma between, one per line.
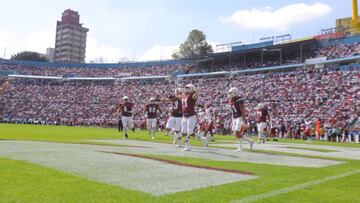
x=240, y=144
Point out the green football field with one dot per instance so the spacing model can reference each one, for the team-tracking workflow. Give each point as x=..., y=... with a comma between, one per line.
x=27, y=181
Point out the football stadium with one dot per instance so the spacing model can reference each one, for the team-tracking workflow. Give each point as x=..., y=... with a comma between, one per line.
x=274, y=120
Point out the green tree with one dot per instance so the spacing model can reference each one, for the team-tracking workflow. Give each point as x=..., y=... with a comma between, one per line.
x=28, y=56
x=195, y=45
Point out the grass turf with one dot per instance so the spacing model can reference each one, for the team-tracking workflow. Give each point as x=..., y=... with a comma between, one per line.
x=25, y=182
x=82, y=135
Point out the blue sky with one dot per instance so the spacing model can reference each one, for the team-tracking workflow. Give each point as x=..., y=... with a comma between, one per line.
x=152, y=29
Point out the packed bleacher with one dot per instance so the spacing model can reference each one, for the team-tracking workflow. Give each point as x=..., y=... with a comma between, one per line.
x=293, y=97
x=22, y=69
x=338, y=51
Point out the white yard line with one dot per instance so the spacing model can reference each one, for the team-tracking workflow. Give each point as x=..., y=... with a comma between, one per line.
x=275, y=193
x=219, y=154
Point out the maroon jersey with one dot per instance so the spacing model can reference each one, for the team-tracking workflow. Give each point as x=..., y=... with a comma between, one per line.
x=176, y=108
x=151, y=110
x=235, y=104
x=188, y=105
x=126, y=109
x=261, y=115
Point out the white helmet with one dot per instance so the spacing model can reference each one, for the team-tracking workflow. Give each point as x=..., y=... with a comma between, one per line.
x=179, y=91
x=125, y=98
x=152, y=100
x=260, y=106
x=233, y=92
x=190, y=88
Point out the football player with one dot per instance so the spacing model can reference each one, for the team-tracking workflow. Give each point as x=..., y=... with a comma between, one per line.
x=152, y=110
x=126, y=110
x=200, y=125
x=173, y=124
x=207, y=124
x=210, y=121
x=262, y=117
x=238, y=117
x=189, y=114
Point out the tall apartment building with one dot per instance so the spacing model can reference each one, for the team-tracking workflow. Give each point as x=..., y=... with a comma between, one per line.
x=70, y=45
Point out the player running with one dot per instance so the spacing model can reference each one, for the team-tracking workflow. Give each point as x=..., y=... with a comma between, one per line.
x=238, y=117
x=189, y=114
x=262, y=117
x=173, y=125
x=207, y=125
x=126, y=110
x=152, y=109
x=210, y=121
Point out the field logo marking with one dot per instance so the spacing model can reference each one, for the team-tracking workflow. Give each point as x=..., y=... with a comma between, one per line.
x=294, y=188
x=181, y=163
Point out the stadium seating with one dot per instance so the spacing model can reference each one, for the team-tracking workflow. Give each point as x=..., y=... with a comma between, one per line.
x=329, y=94
x=292, y=97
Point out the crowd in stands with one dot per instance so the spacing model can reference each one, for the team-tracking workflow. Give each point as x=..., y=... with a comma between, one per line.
x=94, y=72
x=338, y=51
x=331, y=52
x=295, y=99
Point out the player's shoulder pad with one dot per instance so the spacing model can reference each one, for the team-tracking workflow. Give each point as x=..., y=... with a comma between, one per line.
x=194, y=96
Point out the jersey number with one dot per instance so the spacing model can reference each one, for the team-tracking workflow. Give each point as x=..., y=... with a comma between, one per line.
x=184, y=103
x=234, y=109
x=152, y=110
x=176, y=105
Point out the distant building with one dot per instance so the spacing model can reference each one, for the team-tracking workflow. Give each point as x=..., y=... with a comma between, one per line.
x=50, y=52
x=70, y=45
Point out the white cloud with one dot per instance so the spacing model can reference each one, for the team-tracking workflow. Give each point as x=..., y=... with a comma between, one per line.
x=39, y=41
x=281, y=19
x=35, y=41
x=158, y=52
x=5, y=41
x=96, y=51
